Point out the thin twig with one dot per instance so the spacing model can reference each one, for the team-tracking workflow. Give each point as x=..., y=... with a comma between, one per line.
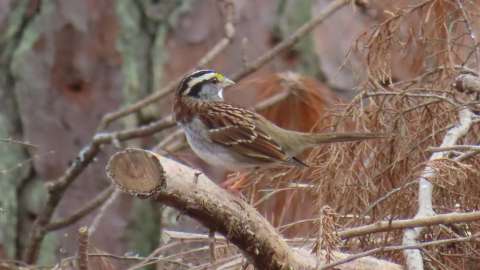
x=400, y=94
x=290, y=40
x=154, y=255
x=229, y=29
x=455, y=148
x=26, y=144
x=82, y=212
x=386, y=196
x=266, y=103
x=383, y=226
x=211, y=245
x=467, y=155
x=103, y=210
x=83, y=248
x=131, y=258
x=169, y=140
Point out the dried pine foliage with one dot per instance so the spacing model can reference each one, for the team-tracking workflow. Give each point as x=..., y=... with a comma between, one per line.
x=411, y=59
x=327, y=239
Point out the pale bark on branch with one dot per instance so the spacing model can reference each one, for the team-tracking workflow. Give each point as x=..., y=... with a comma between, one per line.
x=147, y=174
x=413, y=257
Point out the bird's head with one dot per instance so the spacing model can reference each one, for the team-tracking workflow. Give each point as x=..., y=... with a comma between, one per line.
x=204, y=84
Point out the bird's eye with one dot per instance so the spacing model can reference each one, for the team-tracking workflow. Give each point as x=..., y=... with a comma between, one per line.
x=214, y=80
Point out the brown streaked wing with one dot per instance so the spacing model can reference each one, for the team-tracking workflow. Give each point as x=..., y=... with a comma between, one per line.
x=235, y=127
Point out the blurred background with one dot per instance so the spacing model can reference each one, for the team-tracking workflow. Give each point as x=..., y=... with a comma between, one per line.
x=64, y=64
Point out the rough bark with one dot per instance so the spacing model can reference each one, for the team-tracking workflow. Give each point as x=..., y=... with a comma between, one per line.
x=15, y=169
x=149, y=175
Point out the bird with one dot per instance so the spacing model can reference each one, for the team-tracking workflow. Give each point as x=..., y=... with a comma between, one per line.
x=236, y=138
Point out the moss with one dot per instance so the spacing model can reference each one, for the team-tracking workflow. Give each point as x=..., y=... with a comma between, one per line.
x=11, y=155
x=16, y=42
x=14, y=160
x=15, y=19
x=48, y=250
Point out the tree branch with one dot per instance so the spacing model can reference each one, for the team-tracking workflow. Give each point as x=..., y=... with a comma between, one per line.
x=149, y=175
x=57, y=188
x=82, y=212
x=290, y=40
x=455, y=148
x=383, y=226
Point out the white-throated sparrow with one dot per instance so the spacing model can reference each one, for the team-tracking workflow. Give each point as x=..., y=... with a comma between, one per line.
x=236, y=138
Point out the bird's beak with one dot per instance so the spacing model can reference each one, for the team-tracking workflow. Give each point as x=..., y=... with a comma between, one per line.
x=227, y=82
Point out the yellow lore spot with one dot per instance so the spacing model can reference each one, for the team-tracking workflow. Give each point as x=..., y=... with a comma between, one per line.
x=219, y=77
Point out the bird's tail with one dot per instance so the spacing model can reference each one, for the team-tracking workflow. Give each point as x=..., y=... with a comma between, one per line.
x=322, y=138
x=299, y=141
x=307, y=140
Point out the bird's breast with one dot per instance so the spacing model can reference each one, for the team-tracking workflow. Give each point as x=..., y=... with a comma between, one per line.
x=211, y=152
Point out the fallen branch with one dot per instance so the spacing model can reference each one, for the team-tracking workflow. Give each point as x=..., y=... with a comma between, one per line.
x=149, y=175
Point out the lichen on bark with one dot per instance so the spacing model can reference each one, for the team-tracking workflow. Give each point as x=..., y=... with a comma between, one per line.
x=17, y=173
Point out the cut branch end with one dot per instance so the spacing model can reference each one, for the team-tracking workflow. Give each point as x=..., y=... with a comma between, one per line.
x=136, y=172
